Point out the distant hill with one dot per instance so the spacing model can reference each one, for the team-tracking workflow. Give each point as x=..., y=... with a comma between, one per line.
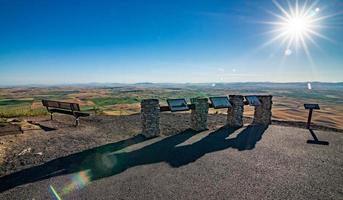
x=237, y=85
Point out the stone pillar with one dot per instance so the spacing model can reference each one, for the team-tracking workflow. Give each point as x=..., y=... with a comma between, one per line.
x=263, y=113
x=235, y=114
x=199, y=114
x=150, y=116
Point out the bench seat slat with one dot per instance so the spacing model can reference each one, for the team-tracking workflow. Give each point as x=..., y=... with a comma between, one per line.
x=68, y=112
x=61, y=105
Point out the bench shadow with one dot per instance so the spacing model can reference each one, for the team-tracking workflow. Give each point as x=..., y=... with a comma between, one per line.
x=43, y=127
x=104, y=161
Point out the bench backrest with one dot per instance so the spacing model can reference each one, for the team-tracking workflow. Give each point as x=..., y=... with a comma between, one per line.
x=61, y=105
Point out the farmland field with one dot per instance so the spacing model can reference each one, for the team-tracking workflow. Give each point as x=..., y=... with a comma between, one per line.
x=288, y=99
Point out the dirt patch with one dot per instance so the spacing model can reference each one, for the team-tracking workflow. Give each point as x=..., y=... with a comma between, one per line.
x=62, y=139
x=9, y=129
x=37, y=146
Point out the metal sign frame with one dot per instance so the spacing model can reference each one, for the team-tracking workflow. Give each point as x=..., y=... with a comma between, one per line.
x=175, y=108
x=309, y=106
x=218, y=105
x=253, y=100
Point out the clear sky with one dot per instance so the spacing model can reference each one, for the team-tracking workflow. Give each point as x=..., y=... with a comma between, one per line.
x=127, y=41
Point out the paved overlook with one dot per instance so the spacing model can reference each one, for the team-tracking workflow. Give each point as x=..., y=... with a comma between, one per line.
x=247, y=163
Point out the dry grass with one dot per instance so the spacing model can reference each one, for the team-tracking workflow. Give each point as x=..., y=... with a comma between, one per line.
x=22, y=111
x=288, y=104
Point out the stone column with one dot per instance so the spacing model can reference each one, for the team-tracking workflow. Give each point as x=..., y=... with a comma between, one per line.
x=263, y=113
x=235, y=114
x=199, y=114
x=150, y=116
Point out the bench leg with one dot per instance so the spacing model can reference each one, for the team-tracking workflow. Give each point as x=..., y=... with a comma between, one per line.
x=51, y=116
x=77, y=121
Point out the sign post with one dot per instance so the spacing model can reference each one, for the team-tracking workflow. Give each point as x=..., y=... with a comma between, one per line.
x=310, y=107
x=315, y=140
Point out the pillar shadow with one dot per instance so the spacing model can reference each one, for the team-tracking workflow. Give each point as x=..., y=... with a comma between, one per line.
x=216, y=141
x=315, y=139
x=64, y=165
x=248, y=138
x=103, y=161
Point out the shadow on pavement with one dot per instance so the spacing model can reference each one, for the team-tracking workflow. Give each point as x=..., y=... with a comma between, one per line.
x=103, y=162
x=44, y=128
x=315, y=139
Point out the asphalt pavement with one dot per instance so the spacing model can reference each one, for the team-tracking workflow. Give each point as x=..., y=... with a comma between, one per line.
x=252, y=162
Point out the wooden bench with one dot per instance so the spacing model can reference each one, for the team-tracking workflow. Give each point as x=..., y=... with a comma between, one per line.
x=64, y=108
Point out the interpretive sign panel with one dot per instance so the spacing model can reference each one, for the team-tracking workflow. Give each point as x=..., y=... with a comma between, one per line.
x=220, y=102
x=311, y=106
x=253, y=100
x=177, y=105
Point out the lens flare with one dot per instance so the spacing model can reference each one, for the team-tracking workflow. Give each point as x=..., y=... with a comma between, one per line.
x=296, y=26
x=78, y=181
x=288, y=52
x=55, y=194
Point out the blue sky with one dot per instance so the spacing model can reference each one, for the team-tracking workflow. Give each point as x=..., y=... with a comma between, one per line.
x=69, y=41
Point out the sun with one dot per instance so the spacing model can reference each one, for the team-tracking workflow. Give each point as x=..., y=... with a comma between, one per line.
x=296, y=26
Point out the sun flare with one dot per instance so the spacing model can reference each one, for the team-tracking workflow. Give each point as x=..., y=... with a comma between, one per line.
x=296, y=26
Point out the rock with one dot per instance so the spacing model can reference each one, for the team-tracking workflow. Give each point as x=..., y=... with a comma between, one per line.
x=39, y=153
x=22, y=163
x=14, y=120
x=25, y=151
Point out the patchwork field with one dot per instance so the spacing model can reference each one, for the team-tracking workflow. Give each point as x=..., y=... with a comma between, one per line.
x=288, y=99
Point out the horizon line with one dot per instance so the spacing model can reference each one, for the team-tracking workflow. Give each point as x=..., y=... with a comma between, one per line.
x=161, y=83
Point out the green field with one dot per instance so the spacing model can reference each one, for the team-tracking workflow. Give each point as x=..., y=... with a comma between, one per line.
x=14, y=102
x=19, y=102
x=113, y=101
